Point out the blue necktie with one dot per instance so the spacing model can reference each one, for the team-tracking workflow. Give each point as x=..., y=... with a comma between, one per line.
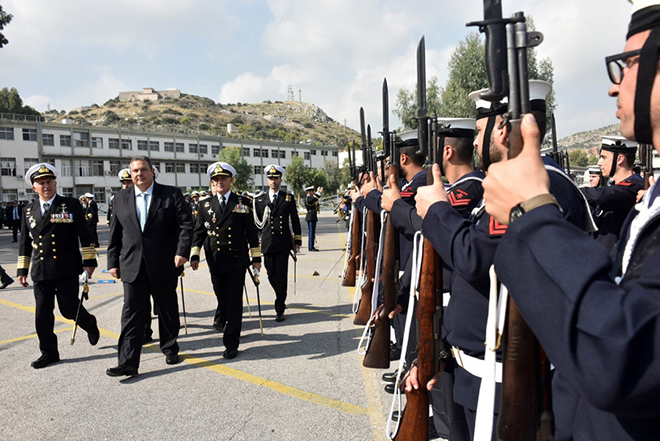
x=142, y=210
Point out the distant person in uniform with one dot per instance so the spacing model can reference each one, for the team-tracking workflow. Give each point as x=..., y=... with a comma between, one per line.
x=15, y=216
x=52, y=232
x=612, y=203
x=225, y=227
x=273, y=211
x=313, y=207
x=92, y=216
x=125, y=180
x=595, y=176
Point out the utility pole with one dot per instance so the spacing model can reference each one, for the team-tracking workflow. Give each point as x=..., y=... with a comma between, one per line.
x=300, y=95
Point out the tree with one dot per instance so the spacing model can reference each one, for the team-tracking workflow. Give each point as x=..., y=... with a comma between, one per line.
x=317, y=178
x=244, y=179
x=297, y=174
x=578, y=158
x=333, y=176
x=406, y=104
x=5, y=19
x=11, y=102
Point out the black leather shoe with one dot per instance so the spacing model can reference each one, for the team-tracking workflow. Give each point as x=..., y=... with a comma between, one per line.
x=389, y=388
x=279, y=318
x=172, y=359
x=219, y=326
x=121, y=370
x=390, y=377
x=44, y=361
x=314, y=249
x=6, y=283
x=93, y=337
x=147, y=339
x=230, y=353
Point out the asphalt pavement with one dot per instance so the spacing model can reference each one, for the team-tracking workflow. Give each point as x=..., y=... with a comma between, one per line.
x=301, y=380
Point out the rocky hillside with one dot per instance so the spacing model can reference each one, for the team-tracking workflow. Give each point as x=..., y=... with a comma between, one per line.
x=289, y=121
x=588, y=141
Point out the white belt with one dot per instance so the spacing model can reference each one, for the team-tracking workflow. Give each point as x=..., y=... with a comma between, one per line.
x=474, y=365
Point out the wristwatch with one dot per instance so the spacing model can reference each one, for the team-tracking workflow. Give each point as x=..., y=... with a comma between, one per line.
x=530, y=204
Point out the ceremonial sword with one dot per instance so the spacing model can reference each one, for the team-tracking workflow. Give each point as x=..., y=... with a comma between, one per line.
x=183, y=303
x=84, y=296
x=255, y=279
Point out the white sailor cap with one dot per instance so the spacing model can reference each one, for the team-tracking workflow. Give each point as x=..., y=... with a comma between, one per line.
x=645, y=15
x=407, y=138
x=486, y=108
x=220, y=169
x=89, y=196
x=310, y=188
x=274, y=171
x=40, y=170
x=618, y=144
x=457, y=127
x=594, y=170
x=124, y=175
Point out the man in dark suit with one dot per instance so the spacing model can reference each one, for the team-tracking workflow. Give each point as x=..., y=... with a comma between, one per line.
x=313, y=207
x=150, y=240
x=225, y=226
x=15, y=214
x=272, y=212
x=52, y=230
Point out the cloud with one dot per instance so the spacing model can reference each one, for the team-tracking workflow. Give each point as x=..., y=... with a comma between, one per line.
x=39, y=102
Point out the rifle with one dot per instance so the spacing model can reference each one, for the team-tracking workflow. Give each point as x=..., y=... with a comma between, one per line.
x=378, y=351
x=519, y=416
x=414, y=423
x=354, y=232
x=364, y=311
x=646, y=163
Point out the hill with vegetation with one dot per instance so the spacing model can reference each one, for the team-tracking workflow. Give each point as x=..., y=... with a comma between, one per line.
x=288, y=121
x=589, y=140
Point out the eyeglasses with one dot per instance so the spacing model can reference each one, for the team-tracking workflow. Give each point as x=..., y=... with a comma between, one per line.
x=617, y=63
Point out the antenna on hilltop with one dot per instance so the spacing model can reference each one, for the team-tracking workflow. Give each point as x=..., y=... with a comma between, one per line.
x=289, y=93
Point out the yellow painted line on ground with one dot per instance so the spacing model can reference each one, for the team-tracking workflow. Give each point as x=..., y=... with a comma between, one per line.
x=221, y=369
x=27, y=337
x=101, y=296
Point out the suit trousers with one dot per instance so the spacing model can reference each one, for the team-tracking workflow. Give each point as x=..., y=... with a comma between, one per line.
x=228, y=288
x=277, y=267
x=66, y=291
x=135, y=311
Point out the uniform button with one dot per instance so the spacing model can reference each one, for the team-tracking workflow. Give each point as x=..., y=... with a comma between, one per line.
x=217, y=228
x=52, y=235
x=53, y=243
x=54, y=257
x=54, y=250
x=40, y=237
x=40, y=243
x=230, y=243
x=229, y=235
x=41, y=251
x=41, y=258
x=230, y=228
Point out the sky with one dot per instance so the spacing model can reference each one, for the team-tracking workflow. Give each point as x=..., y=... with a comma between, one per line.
x=334, y=53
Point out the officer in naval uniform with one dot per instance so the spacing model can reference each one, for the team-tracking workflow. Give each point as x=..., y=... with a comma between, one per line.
x=273, y=211
x=92, y=216
x=225, y=227
x=52, y=230
x=125, y=180
x=313, y=207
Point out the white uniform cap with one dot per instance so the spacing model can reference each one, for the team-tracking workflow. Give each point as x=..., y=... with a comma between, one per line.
x=408, y=135
x=274, y=171
x=89, y=195
x=39, y=171
x=458, y=127
x=124, y=174
x=220, y=169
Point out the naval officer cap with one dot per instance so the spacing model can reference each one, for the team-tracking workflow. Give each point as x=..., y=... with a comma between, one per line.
x=274, y=171
x=310, y=188
x=618, y=144
x=41, y=170
x=220, y=169
x=124, y=175
x=457, y=127
x=89, y=196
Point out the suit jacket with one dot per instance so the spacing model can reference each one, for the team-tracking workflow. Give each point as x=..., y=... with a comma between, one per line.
x=53, y=244
x=226, y=236
x=167, y=233
x=275, y=234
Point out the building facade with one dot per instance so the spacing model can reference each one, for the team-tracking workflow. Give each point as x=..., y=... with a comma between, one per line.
x=89, y=158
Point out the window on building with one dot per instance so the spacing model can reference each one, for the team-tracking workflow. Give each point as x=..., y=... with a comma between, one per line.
x=324, y=153
x=168, y=146
x=115, y=166
x=258, y=169
x=81, y=139
x=154, y=146
x=192, y=148
x=113, y=143
x=7, y=167
x=82, y=167
x=48, y=139
x=97, y=168
x=246, y=152
x=256, y=153
x=97, y=143
x=7, y=133
x=127, y=144
x=194, y=168
x=9, y=194
x=264, y=153
x=313, y=152
x=169, y=167
x=99, y=195
x=180, y=148
x=67, y=191
x=142, y=144
x=65, y=140
x=29, y=134
x=294, y=154
x=215, y=149
x=30, y=195
x=29, y=162
x=335, y=154
x=156, y=166
x=307, y=156
x=180, y=167
x=66, y=168
x=203, y=149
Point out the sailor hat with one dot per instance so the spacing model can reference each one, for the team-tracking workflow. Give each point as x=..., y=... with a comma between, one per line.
x=457, y=127
x=310, y=188
x=618, y=144
x=274, y=171
x=89, y=196
x=124, y=175
x=594, y=170
x=220, y=169
x=40, y=170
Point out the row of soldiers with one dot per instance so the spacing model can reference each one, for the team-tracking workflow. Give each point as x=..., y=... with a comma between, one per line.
x=152, y=236
x=595, y=317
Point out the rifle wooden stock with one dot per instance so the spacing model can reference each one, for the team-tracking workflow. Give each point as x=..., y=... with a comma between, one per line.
x=354, y=259
x=415, y=421
x=364, y=309
x=519, y=407
x=378, y=352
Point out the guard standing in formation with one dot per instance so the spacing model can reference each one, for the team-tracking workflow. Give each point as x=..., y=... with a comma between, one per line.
x=225, y=227
x=150, y=241
x=272, y=213
x=313, y=207
x=52, y=230
x=612, y=203
x=92, y=217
